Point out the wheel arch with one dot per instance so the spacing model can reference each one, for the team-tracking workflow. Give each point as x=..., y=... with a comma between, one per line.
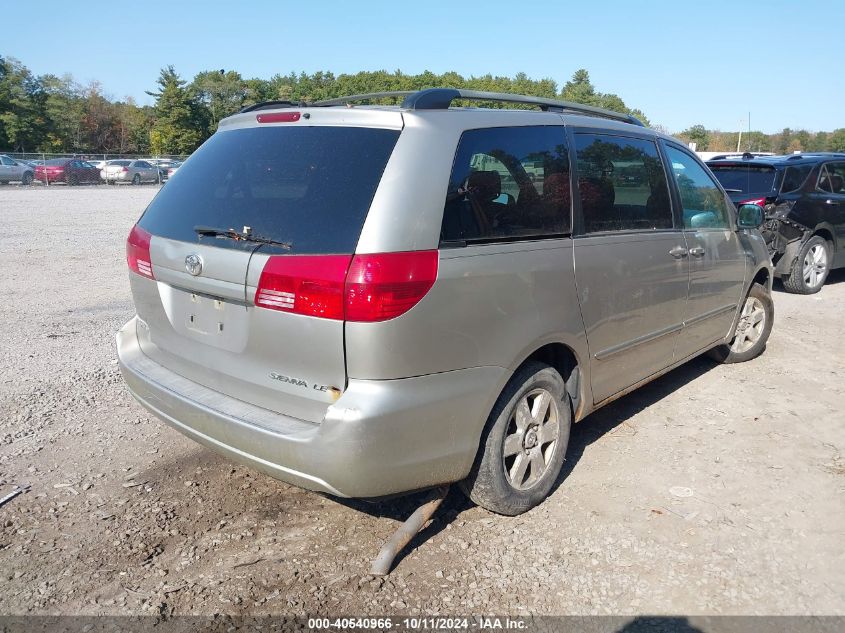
x=764, y=277
x=826, y=232
x=565, y=359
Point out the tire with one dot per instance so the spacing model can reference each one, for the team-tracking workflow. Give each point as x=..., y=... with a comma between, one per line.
x=27, y=179
x=753, y=328
x=72, y=180
x=497, y=482
x=136, y=179
x=810, y=267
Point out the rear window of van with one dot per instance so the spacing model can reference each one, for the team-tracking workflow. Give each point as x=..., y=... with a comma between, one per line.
x=309, y=186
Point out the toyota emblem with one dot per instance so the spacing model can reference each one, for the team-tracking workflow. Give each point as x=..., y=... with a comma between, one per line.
x=193, y=264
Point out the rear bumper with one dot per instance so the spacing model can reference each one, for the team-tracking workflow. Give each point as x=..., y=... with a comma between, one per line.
x=381, y=437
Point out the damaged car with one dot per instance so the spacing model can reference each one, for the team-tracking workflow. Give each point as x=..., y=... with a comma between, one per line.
x=804, y=199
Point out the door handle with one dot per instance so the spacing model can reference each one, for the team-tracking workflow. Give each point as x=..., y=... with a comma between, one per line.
x=698, y=251
x=678, y=252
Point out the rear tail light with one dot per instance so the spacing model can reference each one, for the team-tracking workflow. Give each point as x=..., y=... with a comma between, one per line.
x=386, y=285
x=138, y=252
x=758, y=201
x=304, y=284
x=125, y=170
x=363, y=288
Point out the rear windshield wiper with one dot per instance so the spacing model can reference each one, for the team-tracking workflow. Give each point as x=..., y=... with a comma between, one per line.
x=246, y=236
x=734, y=190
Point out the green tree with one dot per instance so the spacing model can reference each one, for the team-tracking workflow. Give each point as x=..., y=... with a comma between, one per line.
x=579, y=89
x=181, y=123
x=222, y=93
x=697, y=134
x=836, y=140
x=22, y=122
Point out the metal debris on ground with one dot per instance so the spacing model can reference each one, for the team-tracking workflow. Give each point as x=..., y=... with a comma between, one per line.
x=18, y=490
x=408, y=530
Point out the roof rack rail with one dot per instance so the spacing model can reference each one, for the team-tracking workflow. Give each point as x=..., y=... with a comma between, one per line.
x=266, y=105
x=441, y=99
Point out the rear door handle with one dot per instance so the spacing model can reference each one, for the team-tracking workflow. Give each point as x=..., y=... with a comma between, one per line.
x=678, y=252
x=698, y=251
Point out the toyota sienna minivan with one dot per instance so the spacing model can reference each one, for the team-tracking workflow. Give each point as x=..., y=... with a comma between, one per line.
x=365, y=300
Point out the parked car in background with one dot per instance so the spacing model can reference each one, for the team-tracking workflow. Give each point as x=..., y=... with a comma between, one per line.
x=130, y=171
x=804, y=199
x=371, y=300
x=71, y=171
x=173, y=169
x=165, y=165
x=12, y=170
x=97, y=163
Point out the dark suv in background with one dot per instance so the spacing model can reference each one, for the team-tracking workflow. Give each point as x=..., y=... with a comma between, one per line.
x=804, y=199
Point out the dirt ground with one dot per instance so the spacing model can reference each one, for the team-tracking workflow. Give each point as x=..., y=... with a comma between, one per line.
x=713, y=490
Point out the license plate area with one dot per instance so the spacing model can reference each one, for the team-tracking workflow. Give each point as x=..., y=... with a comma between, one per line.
x=207, y=319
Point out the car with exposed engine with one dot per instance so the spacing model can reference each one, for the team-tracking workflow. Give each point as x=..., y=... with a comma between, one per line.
x=804, y=200
x=365, y=299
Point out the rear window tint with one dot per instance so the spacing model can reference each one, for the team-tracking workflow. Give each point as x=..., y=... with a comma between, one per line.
x=120, y=163
x=310, y=186
x=745, y=178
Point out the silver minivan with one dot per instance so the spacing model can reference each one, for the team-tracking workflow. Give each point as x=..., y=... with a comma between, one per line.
x=366, y=300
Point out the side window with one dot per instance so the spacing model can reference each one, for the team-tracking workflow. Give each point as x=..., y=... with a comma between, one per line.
x=6, y=161
x=508, y=183
x=794, y=176
x=622, y=184
x=836, y=173
x=831, y=178
x=823, y=183
x=703, y=202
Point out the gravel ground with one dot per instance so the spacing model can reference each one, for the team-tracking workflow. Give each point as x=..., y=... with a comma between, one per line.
x=713, y=490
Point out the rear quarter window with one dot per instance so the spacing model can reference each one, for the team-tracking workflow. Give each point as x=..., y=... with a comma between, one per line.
x=794, y=177
x=508, y=183
x=310, y=186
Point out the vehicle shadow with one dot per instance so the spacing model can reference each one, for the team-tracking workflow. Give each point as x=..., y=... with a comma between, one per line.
x=592, y=428
x=611, y=416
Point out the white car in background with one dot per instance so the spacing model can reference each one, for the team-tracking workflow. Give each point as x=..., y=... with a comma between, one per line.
x=132, y=171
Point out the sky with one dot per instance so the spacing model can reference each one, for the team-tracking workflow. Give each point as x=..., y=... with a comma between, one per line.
x=682, y=63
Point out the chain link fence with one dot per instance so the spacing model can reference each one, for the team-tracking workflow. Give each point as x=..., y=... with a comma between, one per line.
x=42, y=168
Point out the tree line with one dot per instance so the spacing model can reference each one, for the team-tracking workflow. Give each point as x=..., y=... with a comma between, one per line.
x=786, y=141
x=48, y=113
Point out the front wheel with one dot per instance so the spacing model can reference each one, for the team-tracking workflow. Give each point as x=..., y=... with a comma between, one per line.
x=810, y=268
x=752, y=328
x=523, y=444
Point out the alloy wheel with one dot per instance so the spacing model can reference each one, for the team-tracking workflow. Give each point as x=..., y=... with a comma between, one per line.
x=815, y=265
x=749, y=329
x=531, y=439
